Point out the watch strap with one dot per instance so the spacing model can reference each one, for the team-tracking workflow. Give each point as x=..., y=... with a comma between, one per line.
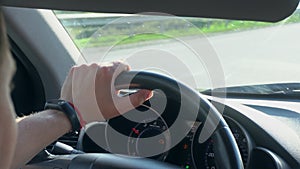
x=68, y=109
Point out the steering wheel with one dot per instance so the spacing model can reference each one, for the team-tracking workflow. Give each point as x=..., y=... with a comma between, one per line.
x=227, y=155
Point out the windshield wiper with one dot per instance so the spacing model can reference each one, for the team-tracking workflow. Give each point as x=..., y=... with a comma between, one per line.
x=286, y=89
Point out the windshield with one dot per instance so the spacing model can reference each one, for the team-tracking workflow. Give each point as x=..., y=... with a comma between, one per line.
x=197, y=51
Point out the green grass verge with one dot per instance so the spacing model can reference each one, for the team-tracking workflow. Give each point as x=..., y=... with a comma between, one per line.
x=109, y=40
x=120, y=37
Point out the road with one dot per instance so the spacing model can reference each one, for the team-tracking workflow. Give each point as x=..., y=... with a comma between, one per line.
x=264, y=55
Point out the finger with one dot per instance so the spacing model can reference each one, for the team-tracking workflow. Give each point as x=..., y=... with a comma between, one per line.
x=83, y=90
x=143, y=94
x=128, y=103
x=118, y=68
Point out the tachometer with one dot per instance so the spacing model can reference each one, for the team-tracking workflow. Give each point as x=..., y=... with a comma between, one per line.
x=150, y=139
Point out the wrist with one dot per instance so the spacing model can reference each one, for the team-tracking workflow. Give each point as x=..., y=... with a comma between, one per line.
x=69, y=110
x=61, y=119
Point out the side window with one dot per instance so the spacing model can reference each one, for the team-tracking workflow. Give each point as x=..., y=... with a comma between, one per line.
x=28, y=94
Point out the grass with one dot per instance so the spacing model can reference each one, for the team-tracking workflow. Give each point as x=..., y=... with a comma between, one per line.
x=109, y=40
x=83, y=35
x=119, y=40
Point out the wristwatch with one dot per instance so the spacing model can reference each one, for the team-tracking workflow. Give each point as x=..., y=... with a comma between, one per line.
x=68, y=109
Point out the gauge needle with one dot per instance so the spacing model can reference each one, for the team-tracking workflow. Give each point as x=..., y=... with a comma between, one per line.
x=137, y=132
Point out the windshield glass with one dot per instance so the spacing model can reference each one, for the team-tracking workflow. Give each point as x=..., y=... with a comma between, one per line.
x=197, y=51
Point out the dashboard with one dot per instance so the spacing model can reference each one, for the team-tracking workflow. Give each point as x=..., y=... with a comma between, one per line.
x=260, y=143
x=189, y=153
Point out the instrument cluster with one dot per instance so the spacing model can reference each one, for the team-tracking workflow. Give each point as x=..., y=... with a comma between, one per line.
x=188, y=153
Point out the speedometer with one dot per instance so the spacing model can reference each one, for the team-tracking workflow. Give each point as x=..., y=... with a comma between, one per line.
x=242, y=140
x=204, y=155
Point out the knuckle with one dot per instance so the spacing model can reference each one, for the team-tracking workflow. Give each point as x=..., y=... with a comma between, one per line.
x=93, y=65
x=103, y=69
x=82, y=66
x=117, y=62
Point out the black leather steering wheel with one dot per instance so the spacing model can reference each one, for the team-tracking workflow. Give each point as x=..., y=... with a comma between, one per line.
x=227, y=155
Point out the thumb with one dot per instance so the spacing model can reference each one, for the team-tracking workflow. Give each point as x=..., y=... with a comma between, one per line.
x=140, y=97
x=134, y=100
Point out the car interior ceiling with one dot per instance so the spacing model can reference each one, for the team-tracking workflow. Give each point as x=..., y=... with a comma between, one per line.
x=259, y=10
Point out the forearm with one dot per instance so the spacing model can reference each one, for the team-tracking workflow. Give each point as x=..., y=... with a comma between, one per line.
x=36, y=132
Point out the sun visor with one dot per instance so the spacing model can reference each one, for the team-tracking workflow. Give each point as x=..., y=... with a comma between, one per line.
x=260, y=10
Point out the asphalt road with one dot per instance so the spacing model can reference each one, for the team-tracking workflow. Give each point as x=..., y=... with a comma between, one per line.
x=265, y=55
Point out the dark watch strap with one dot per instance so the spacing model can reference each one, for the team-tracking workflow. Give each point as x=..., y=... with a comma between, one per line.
x=66, y=108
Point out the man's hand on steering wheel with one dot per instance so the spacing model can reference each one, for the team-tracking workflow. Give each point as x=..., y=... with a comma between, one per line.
x=91, y=89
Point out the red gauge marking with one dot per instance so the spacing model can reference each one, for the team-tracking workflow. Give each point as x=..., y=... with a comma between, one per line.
x=137, y=132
